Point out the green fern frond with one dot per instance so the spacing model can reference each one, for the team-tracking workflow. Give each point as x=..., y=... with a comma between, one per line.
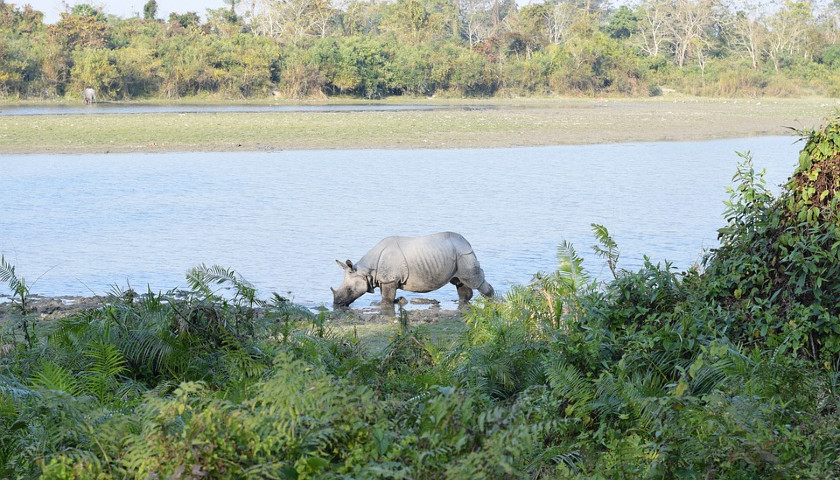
x=13, y=392
x=8, y=276
x=569, y=383
x=55, y=377
x=570, y=265
x=573, y=460
x=107, y=362
x=570, y=274
x=18, y=287
x=606, y=248
x=282, y=307
x=158, y=349
x=239, y=362
x=202, y=278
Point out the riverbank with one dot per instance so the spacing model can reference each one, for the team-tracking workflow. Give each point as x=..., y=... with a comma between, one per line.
x=370, y=326
x=496, y=124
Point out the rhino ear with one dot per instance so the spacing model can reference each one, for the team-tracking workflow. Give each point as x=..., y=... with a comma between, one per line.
x=350, y=264
x=343, y=266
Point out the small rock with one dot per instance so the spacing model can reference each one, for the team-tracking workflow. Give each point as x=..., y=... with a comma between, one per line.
x=424, y=301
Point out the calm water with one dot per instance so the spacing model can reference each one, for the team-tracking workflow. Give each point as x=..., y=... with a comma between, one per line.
x=79, y=224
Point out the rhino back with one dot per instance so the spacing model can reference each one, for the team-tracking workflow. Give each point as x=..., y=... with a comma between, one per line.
x=431, y=260
x=417, y=264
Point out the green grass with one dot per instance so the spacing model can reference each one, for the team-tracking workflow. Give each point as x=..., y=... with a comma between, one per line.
x=530, y=122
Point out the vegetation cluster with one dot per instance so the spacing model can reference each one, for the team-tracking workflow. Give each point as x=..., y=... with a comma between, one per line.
x=370, y=49
x=729, y=370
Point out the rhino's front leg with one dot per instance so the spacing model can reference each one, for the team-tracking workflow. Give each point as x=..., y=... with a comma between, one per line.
x=389, y=293
x=465, y=293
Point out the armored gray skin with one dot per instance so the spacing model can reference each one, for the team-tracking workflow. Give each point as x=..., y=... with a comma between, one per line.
x=414, y=264
x=89, y=95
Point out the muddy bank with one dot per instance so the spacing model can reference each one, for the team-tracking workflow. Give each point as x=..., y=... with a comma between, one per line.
x=418, y=311
x=50, y=308
x=53, y=308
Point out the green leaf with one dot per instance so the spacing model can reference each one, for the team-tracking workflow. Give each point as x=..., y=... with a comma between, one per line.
x=682, y=387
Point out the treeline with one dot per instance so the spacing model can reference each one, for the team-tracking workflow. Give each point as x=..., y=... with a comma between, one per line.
x=732, y=372
x=369, y=49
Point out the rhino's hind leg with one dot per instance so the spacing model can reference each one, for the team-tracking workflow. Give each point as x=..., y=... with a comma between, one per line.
x=465, y=293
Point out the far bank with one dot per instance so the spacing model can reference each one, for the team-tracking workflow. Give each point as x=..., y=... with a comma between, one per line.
x=497, y=124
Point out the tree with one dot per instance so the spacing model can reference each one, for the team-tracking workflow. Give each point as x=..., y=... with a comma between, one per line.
x=87, y=10
x=293, y=20
x=477, y=17
x=622, y=23
x=829, y=19
x=358, y=17
x=95, y=68
x=84, y=28
x=528, y=28
x=688, y=22
x=185, y=20
x=789, y=30
x=150, y=10
x=232, y=4
x=746, y=34
x=416, y=21
x=652, y=30
x=561, y=18
x=27, y=20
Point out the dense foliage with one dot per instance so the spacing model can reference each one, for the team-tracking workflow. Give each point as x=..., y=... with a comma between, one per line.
x=732, y=371
x=363, y=48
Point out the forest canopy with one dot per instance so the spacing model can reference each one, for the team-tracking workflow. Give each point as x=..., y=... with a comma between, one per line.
x=455, y=48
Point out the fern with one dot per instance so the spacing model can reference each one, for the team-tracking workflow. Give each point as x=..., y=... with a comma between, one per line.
x=20, y=296
x=16, y=284
x=57, y=378
x=570, y=267
x=607, y=248
x=569, y=383
x=239, y=362
x=107, y=363
x=202, y=277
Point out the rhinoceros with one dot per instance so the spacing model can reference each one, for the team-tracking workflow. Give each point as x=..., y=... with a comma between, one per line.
x=414, y=264
x=89, y=95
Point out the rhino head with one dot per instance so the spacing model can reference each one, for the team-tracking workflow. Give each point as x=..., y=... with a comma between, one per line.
x=355, y=285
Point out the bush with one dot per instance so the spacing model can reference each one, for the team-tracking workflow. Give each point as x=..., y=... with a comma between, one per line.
x=731, y=372
x=777, y=268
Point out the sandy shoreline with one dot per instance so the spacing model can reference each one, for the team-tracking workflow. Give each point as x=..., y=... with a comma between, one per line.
x=498, y=124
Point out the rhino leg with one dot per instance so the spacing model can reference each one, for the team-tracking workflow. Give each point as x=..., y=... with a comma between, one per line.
x=465, y=293
x=389, y=293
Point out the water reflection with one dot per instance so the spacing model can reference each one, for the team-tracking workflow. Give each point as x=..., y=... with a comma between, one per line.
x=77, y=224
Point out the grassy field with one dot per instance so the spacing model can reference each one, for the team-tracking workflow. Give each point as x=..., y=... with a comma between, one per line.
x=468, y=124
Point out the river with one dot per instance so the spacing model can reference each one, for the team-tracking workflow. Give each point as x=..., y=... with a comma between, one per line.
x=80, y=224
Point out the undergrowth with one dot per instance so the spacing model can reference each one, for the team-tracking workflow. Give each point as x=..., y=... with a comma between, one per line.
x=728, y=370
